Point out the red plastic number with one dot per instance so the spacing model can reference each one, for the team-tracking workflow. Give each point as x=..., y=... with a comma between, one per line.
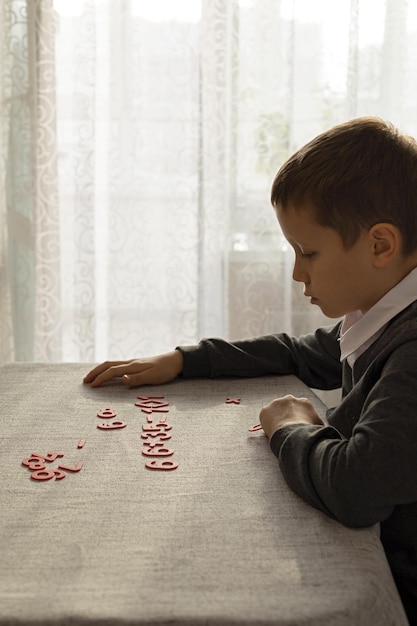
x=112, y=425
x=161, y=465
x=150, y=397
x=59, y=474
x=51, y=456
x=161, y=435
x=156, y=428
x=42, y=474
x=157, y=449
x=77, y=468
x=34, y=463
x=106, y=413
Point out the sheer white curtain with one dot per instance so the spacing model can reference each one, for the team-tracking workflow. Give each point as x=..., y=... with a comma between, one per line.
x=138, y=144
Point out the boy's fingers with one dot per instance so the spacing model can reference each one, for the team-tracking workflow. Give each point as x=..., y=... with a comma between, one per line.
x=112, y=371
x=146, y=377
x=132, y=380
x=88, y=378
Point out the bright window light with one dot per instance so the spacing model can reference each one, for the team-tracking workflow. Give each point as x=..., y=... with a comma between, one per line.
x=164, y=10
x=69, y=8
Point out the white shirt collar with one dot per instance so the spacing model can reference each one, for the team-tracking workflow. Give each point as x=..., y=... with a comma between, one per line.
x=358, y=331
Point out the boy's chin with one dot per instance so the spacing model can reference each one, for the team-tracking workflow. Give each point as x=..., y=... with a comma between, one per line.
x=332, y=314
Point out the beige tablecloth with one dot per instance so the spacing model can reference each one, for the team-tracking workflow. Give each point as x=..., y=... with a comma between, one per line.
x=219, y=540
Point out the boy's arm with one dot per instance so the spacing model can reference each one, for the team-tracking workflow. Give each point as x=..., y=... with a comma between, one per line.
x=358, y=480
x=314, y=358
x=155, y=370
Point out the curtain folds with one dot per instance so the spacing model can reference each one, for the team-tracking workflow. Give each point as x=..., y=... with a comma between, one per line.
x=30, y=253
x=138, y=145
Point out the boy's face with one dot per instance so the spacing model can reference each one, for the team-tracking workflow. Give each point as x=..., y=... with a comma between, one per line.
x=339, y=281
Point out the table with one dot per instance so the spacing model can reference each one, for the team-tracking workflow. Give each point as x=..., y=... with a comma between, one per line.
x=219, y=540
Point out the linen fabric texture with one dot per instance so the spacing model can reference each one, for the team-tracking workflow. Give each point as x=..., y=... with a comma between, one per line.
x=222, y=540
x=361, y=468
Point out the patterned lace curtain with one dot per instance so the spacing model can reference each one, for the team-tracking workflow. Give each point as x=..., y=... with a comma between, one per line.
x=138, y=145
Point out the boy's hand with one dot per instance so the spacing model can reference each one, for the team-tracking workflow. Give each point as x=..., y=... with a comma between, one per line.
x=153, y=371
x=287, y=410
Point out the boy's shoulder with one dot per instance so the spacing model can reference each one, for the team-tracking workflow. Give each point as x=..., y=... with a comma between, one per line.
x=402, y=328
x=407, y=317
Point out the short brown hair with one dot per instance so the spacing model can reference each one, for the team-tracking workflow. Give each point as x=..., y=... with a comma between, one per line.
x=355, y=175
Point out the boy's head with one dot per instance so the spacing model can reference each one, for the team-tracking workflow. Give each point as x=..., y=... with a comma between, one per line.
x=355, y=175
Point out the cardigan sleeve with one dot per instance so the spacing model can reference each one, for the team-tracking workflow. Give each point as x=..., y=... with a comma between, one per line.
x=359, y=479
x=314, y=358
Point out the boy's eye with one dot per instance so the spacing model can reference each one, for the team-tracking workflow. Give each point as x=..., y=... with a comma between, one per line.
x=307, y=255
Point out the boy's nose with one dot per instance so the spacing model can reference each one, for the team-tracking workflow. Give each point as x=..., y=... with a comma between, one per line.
x=298, y=274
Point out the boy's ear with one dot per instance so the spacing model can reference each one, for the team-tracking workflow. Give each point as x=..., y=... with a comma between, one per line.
x=385, y=240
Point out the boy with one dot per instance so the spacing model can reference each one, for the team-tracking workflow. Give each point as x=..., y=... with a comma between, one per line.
x=347, y=204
